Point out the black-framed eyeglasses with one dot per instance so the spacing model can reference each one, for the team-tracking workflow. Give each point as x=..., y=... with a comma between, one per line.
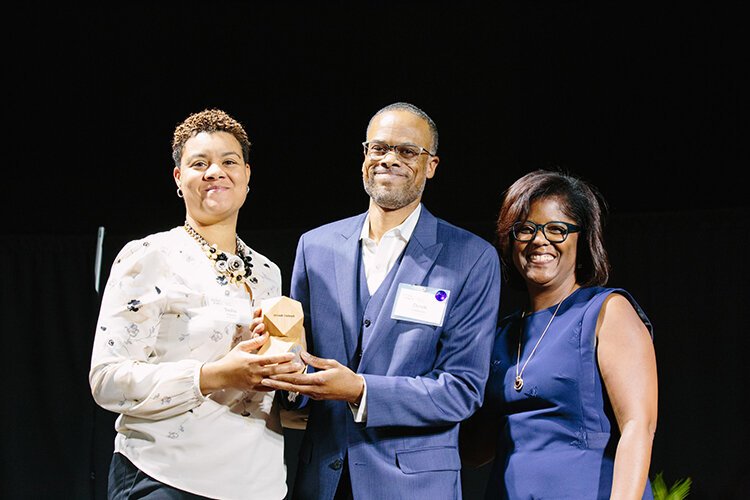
x=555, y=231
x=407, y=152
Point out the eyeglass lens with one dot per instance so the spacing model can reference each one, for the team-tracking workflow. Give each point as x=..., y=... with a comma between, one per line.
x=553, y=231
x=380, y=149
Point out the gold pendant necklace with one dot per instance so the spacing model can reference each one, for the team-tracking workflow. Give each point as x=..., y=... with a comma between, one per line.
x=518, y=382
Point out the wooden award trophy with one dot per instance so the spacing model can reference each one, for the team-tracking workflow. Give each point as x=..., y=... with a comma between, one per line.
x=283, y=318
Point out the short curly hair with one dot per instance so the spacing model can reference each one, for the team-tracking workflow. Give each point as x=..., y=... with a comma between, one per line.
x=208, y=120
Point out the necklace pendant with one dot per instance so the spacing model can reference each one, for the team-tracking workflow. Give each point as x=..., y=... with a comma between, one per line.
x=518, y=383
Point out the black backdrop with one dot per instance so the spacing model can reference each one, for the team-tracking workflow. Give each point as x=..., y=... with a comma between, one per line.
x=646, y=101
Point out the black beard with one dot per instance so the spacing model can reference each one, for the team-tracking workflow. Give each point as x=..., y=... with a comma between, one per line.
x=392, y=199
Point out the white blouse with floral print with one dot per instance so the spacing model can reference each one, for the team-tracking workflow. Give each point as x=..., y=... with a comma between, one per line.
x=164, y=312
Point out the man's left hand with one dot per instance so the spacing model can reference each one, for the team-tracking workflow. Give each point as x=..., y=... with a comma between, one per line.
x=331, y=380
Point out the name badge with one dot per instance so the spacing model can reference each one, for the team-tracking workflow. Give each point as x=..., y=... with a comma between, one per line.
x=420, y=304
x=226, y=310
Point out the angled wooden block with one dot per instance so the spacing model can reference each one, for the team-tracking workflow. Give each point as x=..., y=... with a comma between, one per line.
x=284, y=322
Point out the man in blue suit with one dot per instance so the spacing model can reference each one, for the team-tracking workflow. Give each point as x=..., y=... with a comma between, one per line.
x=400, y=313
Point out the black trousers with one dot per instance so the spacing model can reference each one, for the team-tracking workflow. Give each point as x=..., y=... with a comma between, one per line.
x=126, y=482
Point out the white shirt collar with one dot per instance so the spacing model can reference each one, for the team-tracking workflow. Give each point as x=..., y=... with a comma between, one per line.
x=405, y=229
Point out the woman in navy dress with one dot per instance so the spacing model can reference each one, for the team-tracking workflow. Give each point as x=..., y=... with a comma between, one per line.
x=570, y=406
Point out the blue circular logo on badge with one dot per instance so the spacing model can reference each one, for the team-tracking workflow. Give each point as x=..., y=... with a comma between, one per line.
x=440, y=295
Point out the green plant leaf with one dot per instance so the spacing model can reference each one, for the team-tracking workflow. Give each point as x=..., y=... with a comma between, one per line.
x=659, y=487
x=678, y=491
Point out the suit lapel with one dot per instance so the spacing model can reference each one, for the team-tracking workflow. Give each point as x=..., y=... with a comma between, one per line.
x=419, y=257
x=346, y=268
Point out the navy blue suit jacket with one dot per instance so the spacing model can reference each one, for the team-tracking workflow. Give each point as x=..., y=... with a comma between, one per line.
x=422, y=380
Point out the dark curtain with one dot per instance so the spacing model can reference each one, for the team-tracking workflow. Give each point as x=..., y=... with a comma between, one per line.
x=47, y=322
x=686, y=270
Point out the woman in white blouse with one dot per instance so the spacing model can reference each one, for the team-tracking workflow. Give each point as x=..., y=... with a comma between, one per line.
x=176, y=339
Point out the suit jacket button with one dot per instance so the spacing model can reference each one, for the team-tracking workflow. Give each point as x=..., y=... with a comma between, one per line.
x=367, y=323
x=336, y=464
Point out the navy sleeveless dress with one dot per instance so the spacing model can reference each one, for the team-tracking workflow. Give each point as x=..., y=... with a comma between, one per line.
x=558, y=433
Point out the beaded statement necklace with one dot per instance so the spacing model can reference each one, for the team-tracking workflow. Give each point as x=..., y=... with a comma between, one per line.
x=236, y=269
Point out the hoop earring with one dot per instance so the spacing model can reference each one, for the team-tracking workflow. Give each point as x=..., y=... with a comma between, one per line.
x=248, y=189
x=179, y=193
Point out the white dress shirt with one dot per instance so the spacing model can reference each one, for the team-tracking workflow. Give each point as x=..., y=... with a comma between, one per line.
x=378, y=259
x=163, y=315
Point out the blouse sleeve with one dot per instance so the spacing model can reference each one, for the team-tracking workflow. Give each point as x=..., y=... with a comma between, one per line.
x=125, y=376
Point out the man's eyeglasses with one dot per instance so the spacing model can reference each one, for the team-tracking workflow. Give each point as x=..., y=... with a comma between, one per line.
x=407, y=152
x=554, y=231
